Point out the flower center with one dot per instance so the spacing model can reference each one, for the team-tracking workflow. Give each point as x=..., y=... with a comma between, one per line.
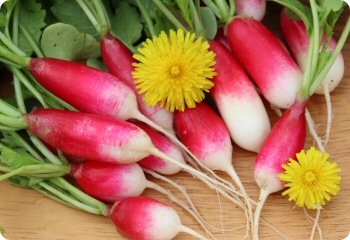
x=175, y=71
x=310, y=178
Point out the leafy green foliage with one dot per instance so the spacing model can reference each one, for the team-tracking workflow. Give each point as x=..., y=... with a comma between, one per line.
x=126, y=24
x=32, y=18
x=184, y=6
x=68, y=11
x=64, y=41
x=15, y=159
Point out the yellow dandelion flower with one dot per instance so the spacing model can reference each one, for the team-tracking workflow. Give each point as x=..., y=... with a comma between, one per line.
x=174, y=70
x=312, y=179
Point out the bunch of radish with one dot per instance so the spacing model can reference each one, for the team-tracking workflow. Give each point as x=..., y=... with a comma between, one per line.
x=116, y=134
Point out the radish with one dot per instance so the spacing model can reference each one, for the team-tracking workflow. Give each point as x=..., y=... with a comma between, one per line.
x=238, y=102
x=142, y=218
x=286, y=139
x=251, y=8
x=118, y=60
x=111, y=183
x=288, y=136
x=88, y=89
x=298, y=40
x=162, y=143
x=265, y=59
x=212, y=146
x=98, y=138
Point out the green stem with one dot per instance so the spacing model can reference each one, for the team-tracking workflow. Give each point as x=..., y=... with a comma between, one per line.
x=169, y=14
x=5, y=169
x=8, y=109
x=28, y=85
x=15, y=20
x=10, y=56
x=313, y=51
x=31, y=41
x=30, y=170
x=232, y=8
x=341, y=42
x=6, y=128
x=69, y=200
x=197, y=21
x=214, y=8
x=45, y=151
x=146, y=16
x=17, y=123
x=224, y=9
x=24, y=144
x=101, y=13
x=11, y=46
x=90, y=15
x=19, y=95
x=7, y=19
x=80, y=195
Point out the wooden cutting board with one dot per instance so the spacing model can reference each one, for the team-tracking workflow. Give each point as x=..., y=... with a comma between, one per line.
x=26, y=214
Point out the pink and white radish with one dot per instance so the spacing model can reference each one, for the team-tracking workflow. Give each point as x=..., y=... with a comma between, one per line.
x=265, y=59
x=166, y=146
x=111, y=183
x=143, y=218
x=285, y=140
x=97, y=138
x=251, y=8
x=238, y=102
x=298, y=40
x=212, y=146
x=118, y=60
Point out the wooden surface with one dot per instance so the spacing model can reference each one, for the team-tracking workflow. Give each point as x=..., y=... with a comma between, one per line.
x=25, y=214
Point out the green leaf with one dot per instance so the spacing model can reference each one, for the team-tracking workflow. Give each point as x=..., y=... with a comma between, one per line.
x=19, y=181
x=32, y=18
x=209, y=21
x=68, y=11
x=126, y=24
x=15, y=159
x=64, y=41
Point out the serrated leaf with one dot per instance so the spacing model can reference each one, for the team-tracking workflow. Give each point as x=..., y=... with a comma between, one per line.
x=209, y=21
x=15, y=159
x=64, y=41
x=126, y=24
x=32, y=18
x=68, y=11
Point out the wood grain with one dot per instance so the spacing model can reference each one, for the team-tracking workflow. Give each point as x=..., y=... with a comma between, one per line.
x=25, y=214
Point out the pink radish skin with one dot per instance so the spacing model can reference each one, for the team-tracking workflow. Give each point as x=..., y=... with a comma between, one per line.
x=90, y=136
x=285, y=140
x=266, y=60
x=205, y=134
x=298, y=40
x=238, y=102
x=102, y=139
x=251, y=8
x=221, y=38
x=110, y=182
x=88, y=89
x=166, y=146
x=143, y=218
x=118, y=60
